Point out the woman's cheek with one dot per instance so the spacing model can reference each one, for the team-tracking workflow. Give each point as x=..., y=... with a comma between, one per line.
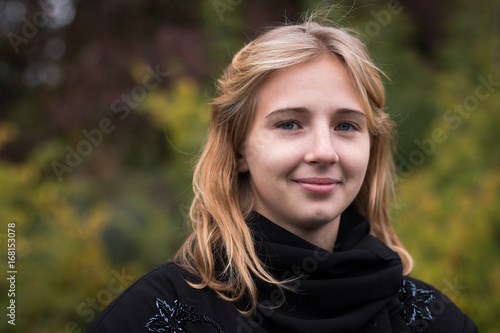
x=258, y=142
x=356, y=162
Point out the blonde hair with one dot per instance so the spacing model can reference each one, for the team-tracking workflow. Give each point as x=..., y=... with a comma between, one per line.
x=220, y=250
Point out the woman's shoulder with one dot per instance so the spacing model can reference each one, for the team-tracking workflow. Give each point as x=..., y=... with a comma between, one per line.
x=427, y=309
x=149, y=301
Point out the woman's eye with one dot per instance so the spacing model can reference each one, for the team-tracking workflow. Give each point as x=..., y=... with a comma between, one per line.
x=288, y=125
x=345, y=127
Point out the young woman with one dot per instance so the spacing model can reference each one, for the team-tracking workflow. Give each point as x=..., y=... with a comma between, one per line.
x=290, y=214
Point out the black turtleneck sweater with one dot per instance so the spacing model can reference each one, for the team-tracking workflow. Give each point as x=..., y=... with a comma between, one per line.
x=357, y=288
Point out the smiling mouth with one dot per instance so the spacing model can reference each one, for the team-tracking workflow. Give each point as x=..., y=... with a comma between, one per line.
x=318, y=185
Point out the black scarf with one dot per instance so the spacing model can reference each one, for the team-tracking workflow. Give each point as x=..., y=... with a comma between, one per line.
x=340, y=291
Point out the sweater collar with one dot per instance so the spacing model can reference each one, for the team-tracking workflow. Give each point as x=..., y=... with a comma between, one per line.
x=352, y=228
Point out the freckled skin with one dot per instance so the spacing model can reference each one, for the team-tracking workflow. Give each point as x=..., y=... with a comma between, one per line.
x=308, y=149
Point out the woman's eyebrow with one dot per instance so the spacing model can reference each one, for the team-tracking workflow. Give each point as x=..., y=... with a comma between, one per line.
x=351, y=111
x=300, y=109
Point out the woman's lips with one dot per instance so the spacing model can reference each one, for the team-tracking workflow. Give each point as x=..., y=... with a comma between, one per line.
x=318, y=185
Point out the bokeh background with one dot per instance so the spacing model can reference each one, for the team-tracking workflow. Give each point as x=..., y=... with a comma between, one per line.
x=103, y=108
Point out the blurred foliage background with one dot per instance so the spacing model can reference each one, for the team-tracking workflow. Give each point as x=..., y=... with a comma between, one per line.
x=103, y=108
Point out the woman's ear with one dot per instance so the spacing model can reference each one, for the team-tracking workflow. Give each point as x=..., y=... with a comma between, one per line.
x=242, y=161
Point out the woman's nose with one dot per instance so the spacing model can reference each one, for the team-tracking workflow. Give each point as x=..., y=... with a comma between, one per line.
x=321, y=148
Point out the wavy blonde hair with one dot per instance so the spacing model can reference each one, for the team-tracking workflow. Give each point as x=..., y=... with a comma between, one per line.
x=220, y=250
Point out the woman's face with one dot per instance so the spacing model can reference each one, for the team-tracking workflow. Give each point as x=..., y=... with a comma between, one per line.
x=308, y=147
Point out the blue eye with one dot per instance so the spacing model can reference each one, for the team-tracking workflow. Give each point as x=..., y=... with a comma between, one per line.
x=288, y=125
x=344, y=127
